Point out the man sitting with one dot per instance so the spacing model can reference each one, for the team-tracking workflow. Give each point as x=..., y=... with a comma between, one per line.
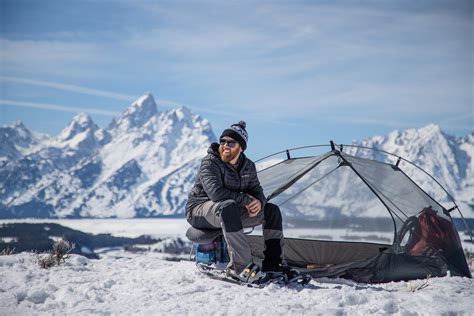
x=227, y=194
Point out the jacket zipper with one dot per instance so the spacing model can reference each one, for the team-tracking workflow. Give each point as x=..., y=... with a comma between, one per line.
x=240, y=176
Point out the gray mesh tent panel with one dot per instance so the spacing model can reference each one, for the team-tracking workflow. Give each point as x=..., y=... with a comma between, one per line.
x=279, y=177
x=316, y=188
x=320, y=199
x=401, y=195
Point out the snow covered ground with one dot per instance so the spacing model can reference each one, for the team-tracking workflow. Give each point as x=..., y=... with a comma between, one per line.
x=145, y=284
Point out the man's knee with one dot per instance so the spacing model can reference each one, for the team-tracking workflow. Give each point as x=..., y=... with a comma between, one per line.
x=226, y=204
x=272, y=210
x=273, y=215
x=227, y=209
x=230, y=213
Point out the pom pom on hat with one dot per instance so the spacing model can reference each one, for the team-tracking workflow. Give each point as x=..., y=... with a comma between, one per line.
x=242, y=124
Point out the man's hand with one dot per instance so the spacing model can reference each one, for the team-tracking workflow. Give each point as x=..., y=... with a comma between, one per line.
x=254, y=207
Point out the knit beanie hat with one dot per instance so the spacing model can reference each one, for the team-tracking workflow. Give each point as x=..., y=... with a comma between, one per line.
x=237, y=132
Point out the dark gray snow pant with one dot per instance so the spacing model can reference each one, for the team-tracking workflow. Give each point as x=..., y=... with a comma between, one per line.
x=232, y=218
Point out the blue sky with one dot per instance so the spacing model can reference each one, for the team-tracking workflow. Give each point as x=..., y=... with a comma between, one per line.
x=298, y=72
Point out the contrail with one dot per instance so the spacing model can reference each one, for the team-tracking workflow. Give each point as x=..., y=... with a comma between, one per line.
x=55, y=107
x=70, y=87
x=106, y=94
x=95, y=92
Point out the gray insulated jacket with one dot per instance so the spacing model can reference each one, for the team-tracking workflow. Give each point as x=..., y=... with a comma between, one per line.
x=218, y=181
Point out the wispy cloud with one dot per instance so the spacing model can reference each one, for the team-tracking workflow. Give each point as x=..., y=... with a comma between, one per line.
x=74, y=109
x=55, y=107
x=70, y=87
x=93, y=92
x=83, y=90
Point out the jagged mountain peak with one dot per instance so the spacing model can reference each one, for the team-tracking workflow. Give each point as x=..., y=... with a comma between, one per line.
x=202, y=122
x=430, y=128
x=137, y=114
x=469, y=138
x=181, y=114
x=422, y=135
x=182, y=121
x=14, y=140
x=82, y=120
x=184, y=113
x=144, y=103
x=17, y=125
x=79, y=123
x=427, y=131
x=20, y=129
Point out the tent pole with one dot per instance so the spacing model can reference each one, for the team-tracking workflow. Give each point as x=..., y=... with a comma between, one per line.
x=373, y=191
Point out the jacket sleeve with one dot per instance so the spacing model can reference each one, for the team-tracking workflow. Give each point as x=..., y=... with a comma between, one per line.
x=255, y=189
x=210, y=177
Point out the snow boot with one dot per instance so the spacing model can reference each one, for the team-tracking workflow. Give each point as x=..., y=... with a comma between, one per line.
x=252, y=274
x=281, y=271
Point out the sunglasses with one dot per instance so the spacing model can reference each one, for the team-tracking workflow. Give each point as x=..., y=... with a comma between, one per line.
x=229, y=142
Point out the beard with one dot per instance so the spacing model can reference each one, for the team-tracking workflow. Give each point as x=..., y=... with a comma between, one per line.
x=228, y=157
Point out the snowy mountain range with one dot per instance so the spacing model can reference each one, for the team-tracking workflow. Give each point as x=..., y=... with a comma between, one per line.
x=144, y=162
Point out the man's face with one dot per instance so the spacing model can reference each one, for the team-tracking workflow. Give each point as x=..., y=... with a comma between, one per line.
x=229, y=149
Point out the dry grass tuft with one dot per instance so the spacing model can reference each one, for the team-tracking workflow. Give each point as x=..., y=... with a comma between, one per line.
x=58, y=255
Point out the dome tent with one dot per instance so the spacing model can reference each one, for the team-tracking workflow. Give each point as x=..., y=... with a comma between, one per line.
x=354, y=212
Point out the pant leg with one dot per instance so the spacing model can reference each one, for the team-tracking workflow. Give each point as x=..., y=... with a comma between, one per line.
x=204, y=216
x=273, y=236
x=228, y=216
x=271, y=219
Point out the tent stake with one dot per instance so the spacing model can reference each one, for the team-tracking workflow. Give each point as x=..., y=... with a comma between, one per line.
x=288, y=154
